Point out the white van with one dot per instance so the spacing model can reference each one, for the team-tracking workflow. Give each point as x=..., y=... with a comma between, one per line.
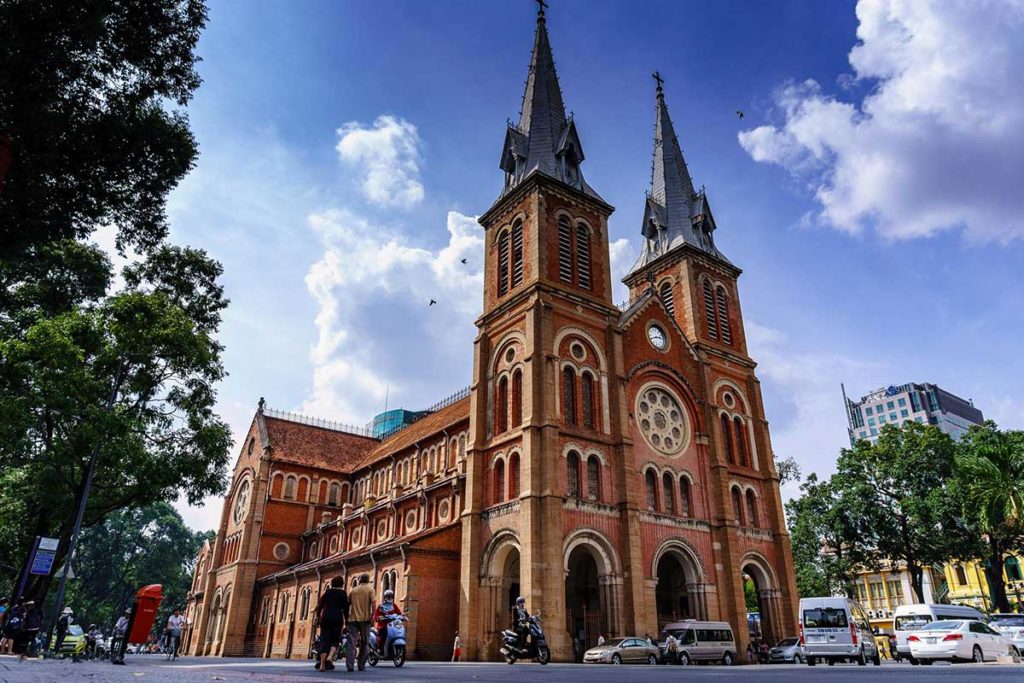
x=909, y=618
x=700, y=641
x=836, y=630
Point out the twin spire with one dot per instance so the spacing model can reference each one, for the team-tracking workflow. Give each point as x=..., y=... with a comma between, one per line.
x=546, y=141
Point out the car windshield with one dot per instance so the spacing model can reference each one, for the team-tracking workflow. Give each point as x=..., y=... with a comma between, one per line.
x=788, y=642
x=999, y=620
x=911, y=622
x=614, y=642
x=75, y=630
x=825, y=617
x=948, y=625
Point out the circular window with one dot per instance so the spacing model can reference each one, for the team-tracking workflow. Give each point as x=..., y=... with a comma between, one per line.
x=357, y=538
x=241, y=501
x=656, y=335
x=410, y=520
x=281, y=551
x=382, y=529
x=729, y=400
x=577, y=351
x=334, y=544
x=443, y=510
x=510, y=355
x=662, y=420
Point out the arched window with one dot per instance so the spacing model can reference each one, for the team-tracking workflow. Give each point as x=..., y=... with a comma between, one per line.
x=652, y=490
x=723, y=315
x=346, y=493
x=741, y=442
x=503, y=253
x=564, y=250
x=517, y=398
x=669, y=488
x=513, y=476
x=572, y=465
x=709, y=310
x=569, y=395
x=667, y=298
x=304, y=604
x=501, y=407
x=499, y=481
x=685, y=499
x=282, y=614
x=737, y=506
x=593, y=478
x=727, y=440
x=961, y=575
x=333, y=492
x=385, y=584
x=588, y=400
x=752, y=518
x=583, y=256
x=289, y=487
x=517, y=254
x=265, y=611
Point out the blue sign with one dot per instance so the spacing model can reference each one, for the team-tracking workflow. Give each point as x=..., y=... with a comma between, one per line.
x=42, y=563
x=891, y=391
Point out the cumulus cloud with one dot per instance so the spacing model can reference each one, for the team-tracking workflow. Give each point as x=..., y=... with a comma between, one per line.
x=938, y=143
x=387, y=157
x=375, y=326
x=621, y=255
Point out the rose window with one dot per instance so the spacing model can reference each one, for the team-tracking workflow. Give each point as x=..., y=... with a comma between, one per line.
x=662, y=420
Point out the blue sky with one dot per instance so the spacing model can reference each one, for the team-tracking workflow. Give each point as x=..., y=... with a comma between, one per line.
x=871, y=193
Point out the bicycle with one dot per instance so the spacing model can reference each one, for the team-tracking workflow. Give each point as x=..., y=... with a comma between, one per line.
x=172, y=647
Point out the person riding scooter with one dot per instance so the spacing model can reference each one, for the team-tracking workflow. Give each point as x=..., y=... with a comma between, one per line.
x=381, y=615
x=520, y=619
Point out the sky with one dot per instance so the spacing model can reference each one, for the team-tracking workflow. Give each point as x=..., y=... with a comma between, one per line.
x=871, y=192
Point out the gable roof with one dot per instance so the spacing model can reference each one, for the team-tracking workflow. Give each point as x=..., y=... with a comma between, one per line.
x=315, y=446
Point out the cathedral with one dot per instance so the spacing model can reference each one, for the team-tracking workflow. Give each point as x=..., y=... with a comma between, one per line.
x=611, y=464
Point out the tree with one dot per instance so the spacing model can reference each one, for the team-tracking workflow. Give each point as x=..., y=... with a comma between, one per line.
x=989, y=483
x=898, y=490
x=788, y=469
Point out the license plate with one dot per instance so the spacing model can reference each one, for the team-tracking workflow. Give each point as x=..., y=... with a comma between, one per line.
x=815, y=639
x=931, y=641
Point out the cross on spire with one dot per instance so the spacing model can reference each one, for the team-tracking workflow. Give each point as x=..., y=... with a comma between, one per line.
x=540, y=8
x=656, y=76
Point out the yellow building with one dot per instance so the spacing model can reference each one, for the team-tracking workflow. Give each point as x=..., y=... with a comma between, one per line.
x=881, y=592
x=969, y=586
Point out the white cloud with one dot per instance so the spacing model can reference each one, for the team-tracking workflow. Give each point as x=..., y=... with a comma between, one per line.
x=387, y=155
x=937, y=144
x=621, y=255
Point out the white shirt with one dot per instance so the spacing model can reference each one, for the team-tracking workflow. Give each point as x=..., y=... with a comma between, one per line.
x=122, y=625
x=174, y=622
x=600, y=640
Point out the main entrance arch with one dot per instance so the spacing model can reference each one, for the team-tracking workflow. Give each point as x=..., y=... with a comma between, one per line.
x=593, y=585
x=759, y=580
x=680, y=591
x=499, y=587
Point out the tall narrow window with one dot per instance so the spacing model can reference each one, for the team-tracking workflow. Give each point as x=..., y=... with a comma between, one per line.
x=723, y=315
x=727, y=440
x=332, y=495
x=652, y=490
x=741, y=442
x=667, y=298
x=513, y=476
x=499, y=481
x=593, y=478
x=583, y=256
x=752, y=509
x=564, y=250
x=737, y=505
x=289, y=488
x=517, y=254
x=503, y=253
x=685, y=500
x=572, y=465
x=501, y=407
x=517, y=398
x=669, y=492
x=709, y=310
x=569, y=395
x=588, y=400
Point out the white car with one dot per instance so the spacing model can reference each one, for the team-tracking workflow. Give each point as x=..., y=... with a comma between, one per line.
x=1011, y=626
x=959, y=640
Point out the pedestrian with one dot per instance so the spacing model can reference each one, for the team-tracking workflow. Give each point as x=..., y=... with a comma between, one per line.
x=15, y=623
x=360, y=612
x=120, y=641
x=67, y=618
x=27, y=637
x=647, y=637
x=457, y=648
x=600, y=639
x=92, y=638
x=174, y=624
x=762, y=650
x=750, y=652
x=4, y=607
x=332, y=609
x=671, y=649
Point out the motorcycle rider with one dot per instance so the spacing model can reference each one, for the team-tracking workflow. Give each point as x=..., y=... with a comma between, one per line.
x=520, y=619
x=385, y=609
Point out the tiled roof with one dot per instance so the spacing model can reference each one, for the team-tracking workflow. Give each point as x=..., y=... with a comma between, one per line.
x=316, y=446
x=419, y=430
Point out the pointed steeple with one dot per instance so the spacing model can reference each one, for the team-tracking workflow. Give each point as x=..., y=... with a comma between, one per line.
x=544, y=140
x=675, y=214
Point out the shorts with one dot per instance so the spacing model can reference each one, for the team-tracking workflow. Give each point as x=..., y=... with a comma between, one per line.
x=330, y=635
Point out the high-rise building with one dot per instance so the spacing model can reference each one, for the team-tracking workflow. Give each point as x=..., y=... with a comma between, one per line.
x=922, y=403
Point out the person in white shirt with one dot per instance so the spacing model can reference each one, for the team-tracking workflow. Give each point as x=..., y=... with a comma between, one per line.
x=174, y=623
x=600, y=639
x=120, y=638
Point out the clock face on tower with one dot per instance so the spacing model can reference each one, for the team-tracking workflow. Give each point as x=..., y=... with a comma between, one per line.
x=657, y=337
x=241, y=501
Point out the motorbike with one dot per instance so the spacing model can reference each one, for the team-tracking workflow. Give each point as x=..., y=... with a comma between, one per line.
x=394, y=647
x=536, y=646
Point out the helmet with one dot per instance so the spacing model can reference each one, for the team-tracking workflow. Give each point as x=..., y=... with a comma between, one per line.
x=389, y=595
x=521, y=601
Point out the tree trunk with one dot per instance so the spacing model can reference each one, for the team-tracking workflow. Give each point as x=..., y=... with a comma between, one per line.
x=994, y=572
x=916, y=580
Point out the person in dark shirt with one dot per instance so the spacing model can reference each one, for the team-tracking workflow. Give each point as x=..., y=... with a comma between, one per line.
x=332, y=611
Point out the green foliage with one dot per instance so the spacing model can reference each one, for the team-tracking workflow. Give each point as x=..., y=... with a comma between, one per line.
x=788, y=469
x=750, y=598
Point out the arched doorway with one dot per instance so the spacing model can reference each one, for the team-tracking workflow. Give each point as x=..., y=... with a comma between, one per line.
x=510, y=586
x=584, y=613
x=670, y=597
x=761, y=601
x=500, y=585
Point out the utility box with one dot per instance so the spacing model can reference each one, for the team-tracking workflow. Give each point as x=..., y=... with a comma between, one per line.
x=147, y=602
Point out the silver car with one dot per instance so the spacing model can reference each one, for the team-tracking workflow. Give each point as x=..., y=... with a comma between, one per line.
x=786, y=651
x=623, y=651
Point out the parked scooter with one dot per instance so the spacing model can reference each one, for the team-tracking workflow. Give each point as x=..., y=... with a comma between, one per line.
x=536, y=646
x=394, y=647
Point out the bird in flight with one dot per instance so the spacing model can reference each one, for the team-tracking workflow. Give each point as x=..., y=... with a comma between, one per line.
x=462, y=261
x=432, y=302
x=739, y=113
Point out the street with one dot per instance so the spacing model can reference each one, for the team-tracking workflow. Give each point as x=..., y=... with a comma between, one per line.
x=192, y=669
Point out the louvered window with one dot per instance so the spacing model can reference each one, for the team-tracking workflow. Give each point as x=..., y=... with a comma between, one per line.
x=503, y=249
x=517, y=398
x=727, y=440
x=583, y=256
x=684, y=496
x=517, y=254
x=652, y=490
x=569, y=395
x=667, y=298
x=593, y=478
x=564, y=250
x=513, y=475
x=501, y=407
x=737, y=505
x=573, y=474
x=723, y=315
x=709, y=310
x=588, y=400
x=669, y=488
x=741, y=442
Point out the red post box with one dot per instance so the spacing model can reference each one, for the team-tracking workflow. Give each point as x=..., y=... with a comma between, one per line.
x=147, y=602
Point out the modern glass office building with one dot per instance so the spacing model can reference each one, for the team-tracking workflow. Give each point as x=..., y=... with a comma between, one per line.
x=924, y=403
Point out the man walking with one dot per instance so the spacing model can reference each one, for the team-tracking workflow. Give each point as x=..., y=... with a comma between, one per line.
x=120, y=641
x=174, y=623
x=67, y=617
x=457, y=648
x=360, y=612
x=332, y=610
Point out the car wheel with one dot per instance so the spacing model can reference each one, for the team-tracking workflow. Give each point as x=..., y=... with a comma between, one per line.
x=616, y=659
x=977, y=656
x=797, y=659
x=684, y=659
x=727, y=659
x=652, y=660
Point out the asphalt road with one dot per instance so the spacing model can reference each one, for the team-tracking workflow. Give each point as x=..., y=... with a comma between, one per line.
x=154, y=669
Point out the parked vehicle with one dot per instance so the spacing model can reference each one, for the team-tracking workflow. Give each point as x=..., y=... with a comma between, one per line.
x=394, y=647
x=786, y=651
x=1011, y=626
x=959, y=640
x=909, y=618
x=700, y=641
x=74, y=642
x=836, y=630
x=536, y=646
x=623, y=651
